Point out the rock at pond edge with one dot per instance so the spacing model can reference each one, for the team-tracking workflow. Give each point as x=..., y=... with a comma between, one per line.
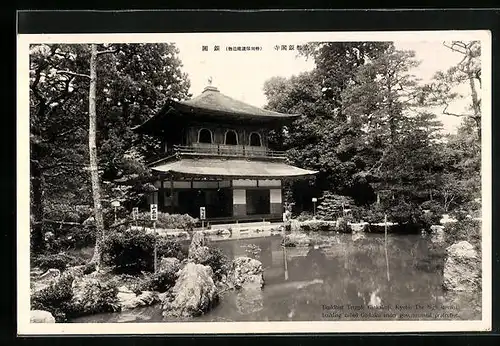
x=41, y=316
x=296, y=239
x=247, y=272
x=194, y=292
x=462, y=268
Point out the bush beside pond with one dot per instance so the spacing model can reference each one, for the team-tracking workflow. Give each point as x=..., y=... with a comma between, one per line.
x=68, y=297
x=464, y=230
x=59, y=261
x=218, y=261
x=132, y=251
x=167, y=221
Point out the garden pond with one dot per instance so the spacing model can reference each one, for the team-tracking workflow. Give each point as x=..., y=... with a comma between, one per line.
x=341, y=277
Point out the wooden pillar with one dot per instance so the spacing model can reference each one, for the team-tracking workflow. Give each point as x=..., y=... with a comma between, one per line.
x=172, y=207
x=161, y=195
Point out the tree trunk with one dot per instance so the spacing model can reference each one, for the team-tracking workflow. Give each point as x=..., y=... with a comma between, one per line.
x=476, y=105
x=94, y=170
x=37, y=242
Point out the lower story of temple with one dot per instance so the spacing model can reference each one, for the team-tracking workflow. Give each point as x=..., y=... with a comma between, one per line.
x=224, y=199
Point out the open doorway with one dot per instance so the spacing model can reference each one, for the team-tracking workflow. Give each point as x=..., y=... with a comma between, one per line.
x=258, y=202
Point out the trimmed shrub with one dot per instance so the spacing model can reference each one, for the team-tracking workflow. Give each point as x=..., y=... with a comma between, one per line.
x=132, y=251
x=318, y=226
x=171, y=248
x=410, y=217
x=56, y=298
x=218, y=261
x=91, y=296
x=75, y=237
x=168, y=221
x=161, y=281
x=304, y=216
x=59, y=261
x=60, y=300
x=332, y=206
x=343, y=225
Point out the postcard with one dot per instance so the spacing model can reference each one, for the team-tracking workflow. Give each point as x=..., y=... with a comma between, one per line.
x=277, y=182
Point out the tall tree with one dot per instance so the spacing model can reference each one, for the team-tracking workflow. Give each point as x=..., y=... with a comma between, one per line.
x=318, y=97
x=132, y=85
x=57, y=138
x=445, y=88
x=93, y=161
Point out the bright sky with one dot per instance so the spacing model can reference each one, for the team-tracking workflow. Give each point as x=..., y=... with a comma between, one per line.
x=241, y=74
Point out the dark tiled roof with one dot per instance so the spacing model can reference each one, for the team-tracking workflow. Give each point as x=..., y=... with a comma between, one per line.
x=232, y=168
x=212, y=99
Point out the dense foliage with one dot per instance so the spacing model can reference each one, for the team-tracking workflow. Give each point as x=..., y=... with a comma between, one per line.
x=59, y=261
x=167, y=221
x=133, y=84
x=55, y=299
x=467, y=229
x=368, y=125
x=218, y=261
x=132, y=251
x=59, y=298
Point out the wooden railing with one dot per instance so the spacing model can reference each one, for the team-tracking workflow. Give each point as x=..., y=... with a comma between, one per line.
x=228, y=150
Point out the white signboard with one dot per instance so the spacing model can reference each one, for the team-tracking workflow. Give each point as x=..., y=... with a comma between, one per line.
x=154, y=212
x=135, y=212
x=115, y=204
x=314, y=199
x=202, y=213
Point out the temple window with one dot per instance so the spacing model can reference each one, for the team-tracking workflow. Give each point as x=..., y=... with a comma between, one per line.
x=231, y=138
x=255, y=140
x=205, y=136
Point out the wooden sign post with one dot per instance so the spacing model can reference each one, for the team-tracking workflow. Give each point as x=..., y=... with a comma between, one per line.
x=385, y=243
x=154, y=218
x=203, y=216
x=314, y=200
x=135, y=214
x=115, y=204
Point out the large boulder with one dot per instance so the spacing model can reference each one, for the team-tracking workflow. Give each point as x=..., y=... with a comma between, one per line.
x=462, y=268
x=198, y=250
x=41, y=316
x=437, y=234
x=194, y=292
x=296, y=239
x=357, y=236
x=247, y=272
x=446, y=218
x=359, y=227
x=129, y=300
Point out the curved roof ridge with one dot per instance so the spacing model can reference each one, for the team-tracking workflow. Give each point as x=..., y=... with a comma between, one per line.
x=212, y=99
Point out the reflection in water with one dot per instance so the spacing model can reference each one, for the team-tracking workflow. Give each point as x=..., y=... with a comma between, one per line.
x=249, y=300
x=340, y=271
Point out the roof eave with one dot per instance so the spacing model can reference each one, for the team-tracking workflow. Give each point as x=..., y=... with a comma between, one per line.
x=192, y=109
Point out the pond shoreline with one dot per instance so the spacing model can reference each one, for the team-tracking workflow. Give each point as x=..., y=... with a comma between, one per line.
x=305, y=284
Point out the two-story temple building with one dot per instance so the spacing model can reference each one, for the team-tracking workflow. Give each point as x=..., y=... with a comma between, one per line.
x=217, y=156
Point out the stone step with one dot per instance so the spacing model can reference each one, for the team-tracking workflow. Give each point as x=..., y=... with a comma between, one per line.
x=241, y=225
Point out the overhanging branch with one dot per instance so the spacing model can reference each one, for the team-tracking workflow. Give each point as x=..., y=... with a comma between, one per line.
x=107, y=51
x=445, y=111
x=70, y=73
